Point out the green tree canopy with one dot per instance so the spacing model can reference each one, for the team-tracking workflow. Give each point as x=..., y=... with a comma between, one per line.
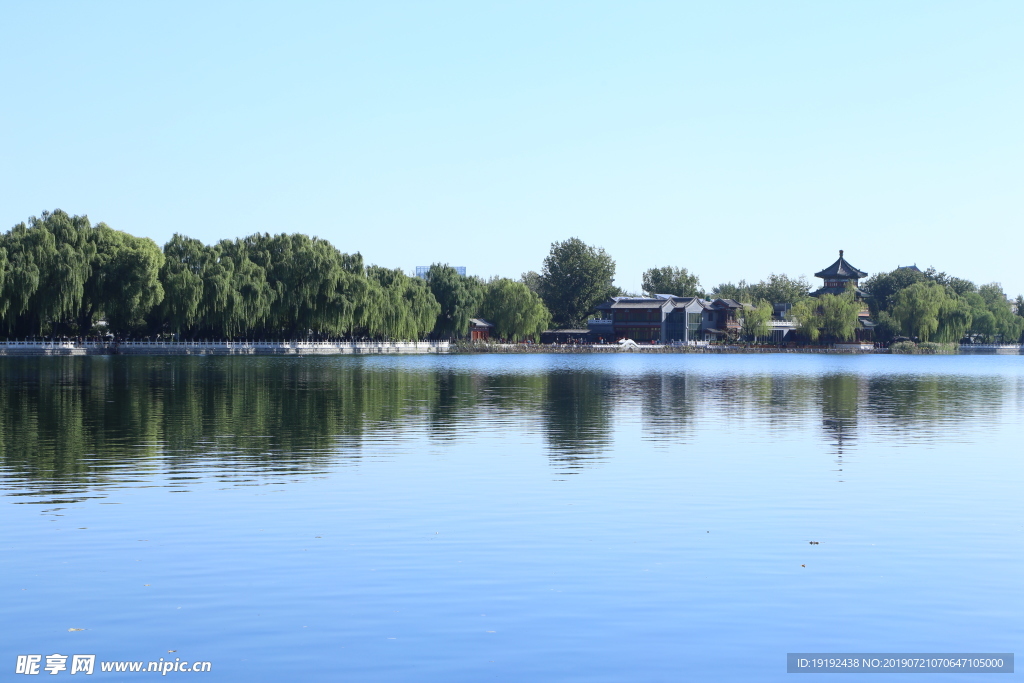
x=62, y=273
x=839, y=315
x=836, y=317
x=186, y=261
x=756, y=317
x=459, y=297
x=406, y=307
x=516, y=312
x=4, y=274
x=739, y=291
x=531, y=279
x=125, y=281
x=48, y=264
x=671, y=280
x=917, y=308
x=245, y=305
x=993, y=317
x=575, y=278
x=955, y=317
x=882, y=288
x=779, y=289
x=807, y=316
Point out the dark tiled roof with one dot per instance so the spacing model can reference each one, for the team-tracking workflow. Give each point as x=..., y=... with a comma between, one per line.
x=726, y=303
x=638, y=303
x=673, y=297
x=683, y=300
x=841, y=268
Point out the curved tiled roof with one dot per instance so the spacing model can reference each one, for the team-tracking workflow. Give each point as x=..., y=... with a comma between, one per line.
x=841, y=268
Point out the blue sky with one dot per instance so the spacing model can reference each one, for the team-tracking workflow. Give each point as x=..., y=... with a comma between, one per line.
x=734, y=139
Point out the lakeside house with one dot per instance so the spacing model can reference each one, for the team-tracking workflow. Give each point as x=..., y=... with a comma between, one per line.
x=659, y=319
x=723, y=319
x=480, y=329
x=570, y=335
x=665, y=318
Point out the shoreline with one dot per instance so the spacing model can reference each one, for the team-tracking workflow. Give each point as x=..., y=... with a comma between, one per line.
x=223, y=348
x=304, y=348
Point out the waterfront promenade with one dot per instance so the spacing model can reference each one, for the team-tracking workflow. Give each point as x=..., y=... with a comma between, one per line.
x=340, y=348
x=216, y=348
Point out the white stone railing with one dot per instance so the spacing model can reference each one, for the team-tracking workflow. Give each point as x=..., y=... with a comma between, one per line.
x=239, y=345
x=992, y=346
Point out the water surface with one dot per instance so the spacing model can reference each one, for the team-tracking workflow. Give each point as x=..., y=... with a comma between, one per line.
x=523, y=517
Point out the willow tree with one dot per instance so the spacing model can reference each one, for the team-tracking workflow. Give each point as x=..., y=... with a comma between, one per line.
x=839, y=315
x=400, y=307
x=955, y=318
x=516, y=312
x=62, y=274
x=756, y=317
x=21, y=281
x=805, y=313
x=304, y=274
x=917, y=308
x=183, y=274
x=4, y=273
x=338, y=290
x=458, y=295
x=124, y=283
x=48, y=263
x=68, y=267
x=248, y=293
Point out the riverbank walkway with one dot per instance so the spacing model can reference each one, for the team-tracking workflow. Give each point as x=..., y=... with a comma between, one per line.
x=216, y=348
x=343, y=348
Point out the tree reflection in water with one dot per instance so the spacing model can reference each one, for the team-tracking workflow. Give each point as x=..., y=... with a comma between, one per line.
x=70, y=425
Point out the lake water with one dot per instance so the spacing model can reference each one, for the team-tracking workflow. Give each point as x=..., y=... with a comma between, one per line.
x=510, y=517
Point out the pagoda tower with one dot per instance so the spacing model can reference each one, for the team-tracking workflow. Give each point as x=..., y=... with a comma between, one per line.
x=838, y=276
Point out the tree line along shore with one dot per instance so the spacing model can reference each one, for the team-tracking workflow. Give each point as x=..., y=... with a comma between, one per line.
x=62, y=276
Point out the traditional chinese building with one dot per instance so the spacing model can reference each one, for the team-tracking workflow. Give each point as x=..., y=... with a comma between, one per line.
x=723, y=318
x=480, y=329
x=661, y=318
x=838, y=276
